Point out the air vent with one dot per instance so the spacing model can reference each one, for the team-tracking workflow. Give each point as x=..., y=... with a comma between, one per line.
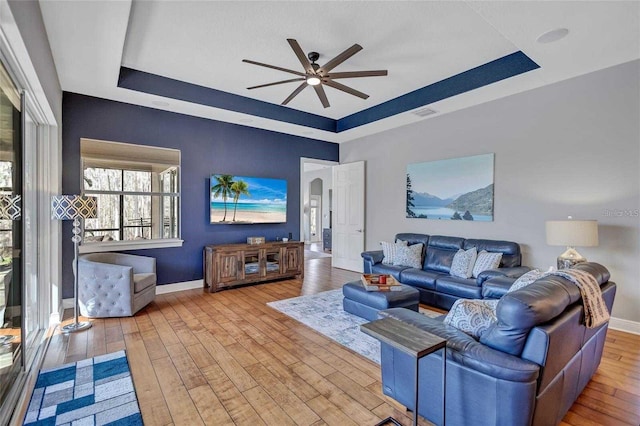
x=424, y=112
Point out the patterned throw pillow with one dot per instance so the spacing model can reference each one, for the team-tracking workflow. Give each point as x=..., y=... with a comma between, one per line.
x=463, y=261
x=473, y=317
x=486, y=260
x=389, y=250
x=524, y=280
x=410, y=256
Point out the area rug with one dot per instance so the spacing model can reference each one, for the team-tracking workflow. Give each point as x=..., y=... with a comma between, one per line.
x=323, y=312
x=94, y=391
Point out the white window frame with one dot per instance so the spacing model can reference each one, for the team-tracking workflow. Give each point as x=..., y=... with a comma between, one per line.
x=154, y=243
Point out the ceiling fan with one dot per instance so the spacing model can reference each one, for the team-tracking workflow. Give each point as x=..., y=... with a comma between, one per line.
x=316, y=76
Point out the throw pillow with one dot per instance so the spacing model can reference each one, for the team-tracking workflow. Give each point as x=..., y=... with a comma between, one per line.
x=410, y=256
x=524, y=280
x=473, y=317
x=389, y=250
x=463, y=261
x=486, y=260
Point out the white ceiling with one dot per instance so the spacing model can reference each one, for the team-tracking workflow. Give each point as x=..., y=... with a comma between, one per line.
x=420, y=43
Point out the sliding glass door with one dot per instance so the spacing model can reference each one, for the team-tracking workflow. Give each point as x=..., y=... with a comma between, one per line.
x=11, y=220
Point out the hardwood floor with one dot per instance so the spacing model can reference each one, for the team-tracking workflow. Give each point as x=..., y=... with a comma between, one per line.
x=227, y=358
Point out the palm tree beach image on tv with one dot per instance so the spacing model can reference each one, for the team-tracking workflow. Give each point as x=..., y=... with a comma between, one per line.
x=247, y=200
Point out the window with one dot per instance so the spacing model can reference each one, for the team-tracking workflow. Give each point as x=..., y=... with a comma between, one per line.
x=138, y=191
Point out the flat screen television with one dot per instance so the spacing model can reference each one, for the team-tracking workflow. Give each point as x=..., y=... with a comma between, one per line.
x=247, y=200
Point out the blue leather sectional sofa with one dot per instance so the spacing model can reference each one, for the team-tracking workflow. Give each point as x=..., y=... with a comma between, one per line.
x=527, y=369
x=436, y=286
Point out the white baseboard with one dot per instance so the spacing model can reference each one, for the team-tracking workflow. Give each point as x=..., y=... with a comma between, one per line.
x=624, y=325
x=185, y=285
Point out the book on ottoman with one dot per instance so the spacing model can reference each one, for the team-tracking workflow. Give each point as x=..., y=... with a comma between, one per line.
x=380, y=282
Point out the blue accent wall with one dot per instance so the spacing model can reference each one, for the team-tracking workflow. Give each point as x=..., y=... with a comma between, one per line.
x=207, y=147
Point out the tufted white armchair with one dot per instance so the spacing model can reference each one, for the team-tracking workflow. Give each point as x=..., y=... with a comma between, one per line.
x=115, y=284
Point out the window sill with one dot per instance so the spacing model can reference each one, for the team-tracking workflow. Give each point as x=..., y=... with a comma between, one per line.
x=128, y=245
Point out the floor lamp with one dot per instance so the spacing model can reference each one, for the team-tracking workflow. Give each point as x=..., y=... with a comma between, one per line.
x=76, y=208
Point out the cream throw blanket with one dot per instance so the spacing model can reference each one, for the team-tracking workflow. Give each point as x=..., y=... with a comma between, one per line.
x=595, y=310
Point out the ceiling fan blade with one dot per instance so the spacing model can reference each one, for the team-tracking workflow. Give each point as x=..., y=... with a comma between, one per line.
x=354, y=74
x=322, y=95
x=275, y=83
x=295, y=93
x=274, y=67
x=344, y=88
x=340, y=59
x=301, y=56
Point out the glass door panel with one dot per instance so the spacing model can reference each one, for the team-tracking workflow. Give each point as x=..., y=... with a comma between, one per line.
x=10, y=234
x=251, y=263
x=272, y=261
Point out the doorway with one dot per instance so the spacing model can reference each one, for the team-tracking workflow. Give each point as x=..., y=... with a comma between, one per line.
x=315, y=204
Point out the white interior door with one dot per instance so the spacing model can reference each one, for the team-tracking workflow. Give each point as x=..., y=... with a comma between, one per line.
x=348, y=217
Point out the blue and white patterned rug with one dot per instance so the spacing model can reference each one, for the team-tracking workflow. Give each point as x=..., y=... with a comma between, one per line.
x=94, y=391
x=323, y=312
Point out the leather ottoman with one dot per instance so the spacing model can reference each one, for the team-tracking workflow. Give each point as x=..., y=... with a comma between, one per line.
x=366, y=304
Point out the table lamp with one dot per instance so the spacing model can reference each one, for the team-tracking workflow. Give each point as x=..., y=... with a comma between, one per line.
x=572, y=233
x=76, y=208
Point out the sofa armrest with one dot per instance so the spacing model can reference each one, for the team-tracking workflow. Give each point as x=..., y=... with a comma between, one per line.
x=466, y=351
x=513, y=272
x=495, y=288
x=370, y=258
x=140, y=264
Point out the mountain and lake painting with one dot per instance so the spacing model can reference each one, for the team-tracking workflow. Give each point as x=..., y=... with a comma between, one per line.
x=247, y=200
x=453, y=189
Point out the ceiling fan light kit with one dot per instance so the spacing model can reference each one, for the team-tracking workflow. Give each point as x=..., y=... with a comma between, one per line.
x=318, y=76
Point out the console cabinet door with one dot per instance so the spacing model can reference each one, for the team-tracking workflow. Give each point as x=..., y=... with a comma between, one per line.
x=228, y=267
x=252, y=265
x=272, y=261
x=293, y=258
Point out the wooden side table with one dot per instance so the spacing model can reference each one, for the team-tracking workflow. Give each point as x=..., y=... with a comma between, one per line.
x=415, y=342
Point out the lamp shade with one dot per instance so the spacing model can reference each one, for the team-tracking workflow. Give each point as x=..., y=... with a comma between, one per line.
x=572, y=233
x=10, y=207
x=68, y=207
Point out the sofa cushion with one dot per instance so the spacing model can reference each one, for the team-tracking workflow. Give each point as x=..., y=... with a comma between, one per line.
x=463, y=261
x=390, y=250
x=473, y=317
x=511, y=255
x=486, y=260
x=465, y=288
x=420, y=278
x=525, y=280
x=410, y=256
x=440, y=252
x=142, y=281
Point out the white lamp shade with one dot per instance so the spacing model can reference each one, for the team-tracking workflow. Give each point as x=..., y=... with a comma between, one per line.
x=69, y=207
x=572, y=233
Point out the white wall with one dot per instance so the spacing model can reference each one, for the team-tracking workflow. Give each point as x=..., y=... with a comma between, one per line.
x=572, y=148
